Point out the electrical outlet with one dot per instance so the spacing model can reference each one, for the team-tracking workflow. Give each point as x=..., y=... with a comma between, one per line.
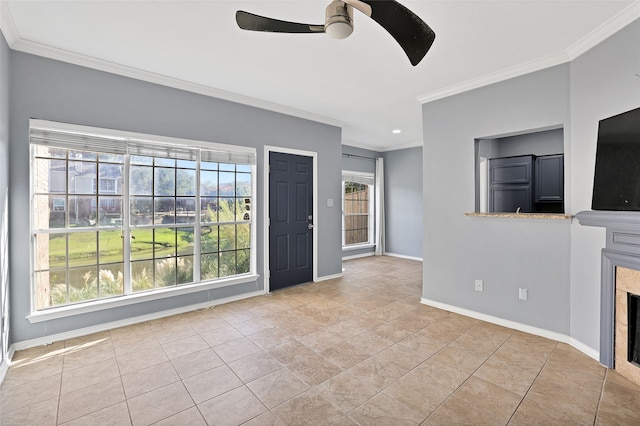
x=522, y=293
x=479, y=285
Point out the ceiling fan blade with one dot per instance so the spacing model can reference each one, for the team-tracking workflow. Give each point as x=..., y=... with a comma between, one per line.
x=251, y=22
x=412, y=33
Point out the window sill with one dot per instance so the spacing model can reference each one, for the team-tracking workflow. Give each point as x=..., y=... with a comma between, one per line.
x=114, y=302
x=358, y=247
x=553, y=216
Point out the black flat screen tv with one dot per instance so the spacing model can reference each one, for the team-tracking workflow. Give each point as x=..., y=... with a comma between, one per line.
x=616, y=183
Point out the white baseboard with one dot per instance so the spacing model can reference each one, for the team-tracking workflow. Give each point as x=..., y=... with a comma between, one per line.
x=357, y=256
x=559, y=337
x=402, y=256
x=587, y=350
x=329, y=277
x=47, y=340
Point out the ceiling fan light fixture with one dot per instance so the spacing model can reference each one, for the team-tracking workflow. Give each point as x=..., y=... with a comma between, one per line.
x=408, y=29
x=338, y=23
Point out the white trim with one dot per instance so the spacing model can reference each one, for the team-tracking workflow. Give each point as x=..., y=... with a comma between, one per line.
x=415, y=144
x=126, y=136
x=403, y=256
x=521, y=131
x=357, y=256
x=354, y=173
x=39, y=49
x=495, y=77
x=4, y=367
x=607, y=29
x=265, y=205
x=329, y=277
x=355, y=144
x=125, y=300
x=128, y=298
x=358, y=247
x=7, y=24
x=407, y=145
x=46, y=340
x=353, y=176
x=497, y=320
x=587, y=350
x=559, y=337
x=604, y=31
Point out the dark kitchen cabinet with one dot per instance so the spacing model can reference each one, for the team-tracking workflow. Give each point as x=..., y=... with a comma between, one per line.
x=527, y=184
x=511, y=181
x=549, y=173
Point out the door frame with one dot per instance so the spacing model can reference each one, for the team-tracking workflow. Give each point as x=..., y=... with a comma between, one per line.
x=266, y=200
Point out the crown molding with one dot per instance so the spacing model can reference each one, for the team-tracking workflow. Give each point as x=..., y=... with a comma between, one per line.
x=496, y=77
x=604, y=31
x=361, y=145
x=7, y=25
x=610, y=27
x=387, y=148
x=415, y=144
x=38, y=49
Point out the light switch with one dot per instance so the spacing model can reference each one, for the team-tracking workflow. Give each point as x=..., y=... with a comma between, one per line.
x=329, y=202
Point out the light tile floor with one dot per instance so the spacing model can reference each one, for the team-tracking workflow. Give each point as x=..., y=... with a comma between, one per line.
x=356, y=350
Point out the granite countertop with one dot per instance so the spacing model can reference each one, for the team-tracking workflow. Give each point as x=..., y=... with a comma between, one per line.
x=555, y=216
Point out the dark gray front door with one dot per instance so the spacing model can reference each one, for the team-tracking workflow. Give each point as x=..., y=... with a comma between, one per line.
x=291, y=220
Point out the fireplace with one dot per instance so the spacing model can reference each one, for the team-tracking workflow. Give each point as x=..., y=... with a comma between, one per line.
x=620, y=290
x=627, y=346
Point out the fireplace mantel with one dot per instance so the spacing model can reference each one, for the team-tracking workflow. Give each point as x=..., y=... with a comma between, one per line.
x=622, y=248
x=622, y=220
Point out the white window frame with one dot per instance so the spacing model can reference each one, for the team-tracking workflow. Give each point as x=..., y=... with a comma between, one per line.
x=365, y=179
x=94, y=140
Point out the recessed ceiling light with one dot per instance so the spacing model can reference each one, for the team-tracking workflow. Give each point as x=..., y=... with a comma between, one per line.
x=396, y=131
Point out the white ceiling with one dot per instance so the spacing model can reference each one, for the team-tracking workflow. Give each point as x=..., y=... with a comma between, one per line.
x=365, y=83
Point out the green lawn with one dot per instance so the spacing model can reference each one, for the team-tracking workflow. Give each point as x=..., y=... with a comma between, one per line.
x=84, y=245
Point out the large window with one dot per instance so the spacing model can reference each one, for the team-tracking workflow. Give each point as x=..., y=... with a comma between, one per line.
x=118, y=216
x=357, y=209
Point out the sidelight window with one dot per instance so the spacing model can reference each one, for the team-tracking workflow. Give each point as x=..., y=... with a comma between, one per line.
x=357, y=208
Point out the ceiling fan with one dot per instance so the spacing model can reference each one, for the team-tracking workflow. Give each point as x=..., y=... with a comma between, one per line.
x=412, y=33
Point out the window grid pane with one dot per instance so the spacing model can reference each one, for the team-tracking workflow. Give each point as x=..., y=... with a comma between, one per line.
x=78, y=204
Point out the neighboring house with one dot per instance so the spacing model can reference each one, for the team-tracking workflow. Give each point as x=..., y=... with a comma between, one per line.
x=85, y=184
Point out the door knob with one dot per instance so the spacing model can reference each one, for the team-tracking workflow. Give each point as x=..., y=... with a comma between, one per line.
x=310, y=226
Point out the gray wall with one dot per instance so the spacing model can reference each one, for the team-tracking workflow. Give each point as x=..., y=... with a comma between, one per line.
x=536, y=143
x=355, y=164
x=558, y=261
x=365, y=165
x=4, y=168
x=403, y=202
x=505, y=253
x=603, y=83
x=52, y=90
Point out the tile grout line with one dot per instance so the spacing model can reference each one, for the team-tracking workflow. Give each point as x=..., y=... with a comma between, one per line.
x=604, y=380
x=532, y=383
x=471, y=374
